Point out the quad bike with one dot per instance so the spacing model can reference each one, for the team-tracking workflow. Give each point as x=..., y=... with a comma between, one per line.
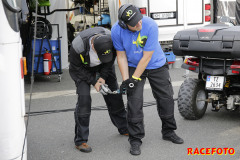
x=214, y=53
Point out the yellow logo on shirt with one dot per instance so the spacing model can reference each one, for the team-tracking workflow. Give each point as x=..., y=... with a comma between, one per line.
x=83, y=59
x=107, y=51
x=141, y=40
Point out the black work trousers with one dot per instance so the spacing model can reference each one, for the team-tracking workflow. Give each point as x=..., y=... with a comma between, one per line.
x=162, y=90
x=82, y=112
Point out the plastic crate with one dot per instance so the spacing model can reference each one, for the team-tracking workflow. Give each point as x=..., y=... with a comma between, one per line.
x=54, y=46
x=29, y=64
x=56, y=67
x=170, y=57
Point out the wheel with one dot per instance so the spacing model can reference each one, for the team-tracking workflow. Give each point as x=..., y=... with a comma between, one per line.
x=190, y=96
x=44, y=27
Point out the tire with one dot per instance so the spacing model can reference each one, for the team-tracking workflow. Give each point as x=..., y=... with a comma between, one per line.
x=190, y=91
x=44, y=28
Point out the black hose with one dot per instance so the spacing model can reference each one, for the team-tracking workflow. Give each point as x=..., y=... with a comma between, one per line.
x=58, y=10
x=97, y=108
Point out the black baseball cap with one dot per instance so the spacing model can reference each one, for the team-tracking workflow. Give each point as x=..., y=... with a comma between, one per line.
x=131, y=16
x=104, y=48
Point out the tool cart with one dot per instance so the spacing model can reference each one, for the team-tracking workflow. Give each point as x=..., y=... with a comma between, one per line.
x=47, y=51
x=47, y=55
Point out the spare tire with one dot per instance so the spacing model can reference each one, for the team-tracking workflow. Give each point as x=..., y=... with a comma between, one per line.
x=44, y=28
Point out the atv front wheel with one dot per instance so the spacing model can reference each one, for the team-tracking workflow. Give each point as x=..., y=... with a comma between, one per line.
x=191, y=96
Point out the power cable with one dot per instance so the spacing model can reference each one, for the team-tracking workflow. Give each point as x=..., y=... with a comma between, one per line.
x=96, y=108
x=32, y=79
x=59, y=10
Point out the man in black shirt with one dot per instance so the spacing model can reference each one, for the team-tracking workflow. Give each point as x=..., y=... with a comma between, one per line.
x=91, y=60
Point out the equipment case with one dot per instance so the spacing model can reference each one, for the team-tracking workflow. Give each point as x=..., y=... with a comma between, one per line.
x=214, y=41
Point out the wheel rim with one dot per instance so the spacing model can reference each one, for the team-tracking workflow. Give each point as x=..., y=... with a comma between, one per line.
x=201, y=95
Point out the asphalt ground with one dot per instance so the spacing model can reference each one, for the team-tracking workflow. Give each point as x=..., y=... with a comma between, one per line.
x=50, y=136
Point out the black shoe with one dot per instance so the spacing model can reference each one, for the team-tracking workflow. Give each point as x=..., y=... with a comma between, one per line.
x=174, y=138
x=135, y=149
x=84, y=147
x=123, y=131
x=124, y=134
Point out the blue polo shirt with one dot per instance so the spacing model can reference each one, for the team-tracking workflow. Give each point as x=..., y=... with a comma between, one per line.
x=134, y=43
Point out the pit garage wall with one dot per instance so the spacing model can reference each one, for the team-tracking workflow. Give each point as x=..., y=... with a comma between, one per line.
x=113, y=9
x=60, y=18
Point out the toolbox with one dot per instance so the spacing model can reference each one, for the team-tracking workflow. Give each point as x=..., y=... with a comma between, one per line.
x=214, y=41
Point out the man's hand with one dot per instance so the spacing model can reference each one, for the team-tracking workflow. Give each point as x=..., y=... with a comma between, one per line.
x=100, y=81
x=104, y=90
x=128, y=86
x=123, y=87
x=97, y=86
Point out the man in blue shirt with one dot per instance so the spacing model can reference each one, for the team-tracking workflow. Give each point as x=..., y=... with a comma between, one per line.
x=140, y=56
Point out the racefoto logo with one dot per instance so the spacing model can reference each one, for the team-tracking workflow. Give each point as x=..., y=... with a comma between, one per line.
x=210, y=151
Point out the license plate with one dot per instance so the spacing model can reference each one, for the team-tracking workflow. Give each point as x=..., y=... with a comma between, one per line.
x=163, y=15
x=214, y=82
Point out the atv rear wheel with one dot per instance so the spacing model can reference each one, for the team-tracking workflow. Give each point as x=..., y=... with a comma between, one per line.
x=190, y=99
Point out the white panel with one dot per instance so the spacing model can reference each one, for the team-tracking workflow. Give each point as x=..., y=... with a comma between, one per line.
x=162, y=5
x=11, y=120
x=194, y=11
x=166, y=22
x=142, y=3
x=180, y=11
x=167, y=33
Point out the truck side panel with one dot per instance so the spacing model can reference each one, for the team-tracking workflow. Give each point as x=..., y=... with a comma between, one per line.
x=185, y=14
